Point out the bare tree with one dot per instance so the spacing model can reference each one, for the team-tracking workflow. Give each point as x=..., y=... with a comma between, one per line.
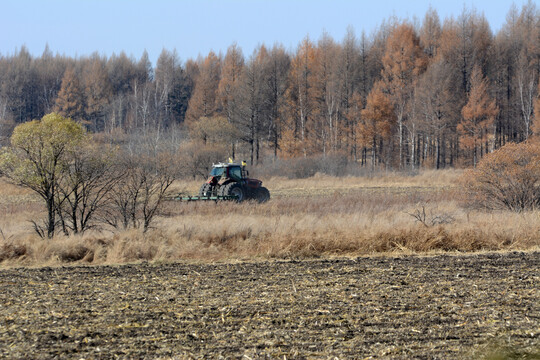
x=276, y=70
x=526, y=86
x=148, y=170
x=86, y=187
x=437, y=107
x=251, y=112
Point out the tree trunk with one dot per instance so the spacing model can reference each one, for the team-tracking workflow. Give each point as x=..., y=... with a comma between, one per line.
x=51, y=212
x=438, y=152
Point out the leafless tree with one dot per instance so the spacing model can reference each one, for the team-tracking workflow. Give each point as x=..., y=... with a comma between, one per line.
x=86, y=188
x=148, y=170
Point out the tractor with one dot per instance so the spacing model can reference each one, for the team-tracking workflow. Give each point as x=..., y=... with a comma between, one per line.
x=231, y=181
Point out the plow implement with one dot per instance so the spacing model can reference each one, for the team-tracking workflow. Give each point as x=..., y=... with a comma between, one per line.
x=207, y=198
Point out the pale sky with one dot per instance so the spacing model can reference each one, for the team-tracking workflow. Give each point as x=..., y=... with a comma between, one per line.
x=81, y=27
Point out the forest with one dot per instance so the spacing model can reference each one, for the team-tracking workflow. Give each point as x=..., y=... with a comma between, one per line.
x=430, y=93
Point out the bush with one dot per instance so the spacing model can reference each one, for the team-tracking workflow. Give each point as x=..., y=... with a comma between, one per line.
x=508, y=178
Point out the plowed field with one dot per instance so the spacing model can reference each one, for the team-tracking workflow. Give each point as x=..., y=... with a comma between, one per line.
x=444, y=307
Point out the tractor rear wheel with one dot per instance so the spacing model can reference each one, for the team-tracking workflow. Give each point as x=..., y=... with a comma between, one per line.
x=262, y=195
x=206, y=190
x=233, y=189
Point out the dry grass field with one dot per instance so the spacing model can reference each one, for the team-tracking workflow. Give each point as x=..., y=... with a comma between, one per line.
x=306, y=218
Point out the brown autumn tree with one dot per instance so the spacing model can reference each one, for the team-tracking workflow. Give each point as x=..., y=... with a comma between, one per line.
x=302, y=101
x=203, y=102
x=227, y=93
x=403, y=62
x=70, y=100
x=97, y=92
x=378, y=120
x=466, y=42
x=123, y=72
x=478, y=116
x=231, y=71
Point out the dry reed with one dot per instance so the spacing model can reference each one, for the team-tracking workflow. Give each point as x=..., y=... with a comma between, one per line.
x=319, y=216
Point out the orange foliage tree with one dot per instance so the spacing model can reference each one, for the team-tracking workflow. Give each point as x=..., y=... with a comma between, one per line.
x=377, y=122
x=70, y=100
x=403, y=62
x=203, y=102
x=230, y=75
x=227, y=92
x=302, y=95
x=478, y=115
x=97, y=92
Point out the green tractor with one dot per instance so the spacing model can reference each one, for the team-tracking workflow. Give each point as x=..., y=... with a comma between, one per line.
x=231, y=181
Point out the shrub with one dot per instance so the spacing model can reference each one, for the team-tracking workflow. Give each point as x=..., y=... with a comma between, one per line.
x=508, y=178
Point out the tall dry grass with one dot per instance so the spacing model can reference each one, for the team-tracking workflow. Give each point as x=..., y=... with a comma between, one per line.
x=319, y=216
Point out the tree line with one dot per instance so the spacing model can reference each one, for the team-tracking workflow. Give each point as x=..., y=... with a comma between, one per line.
x=430, y=93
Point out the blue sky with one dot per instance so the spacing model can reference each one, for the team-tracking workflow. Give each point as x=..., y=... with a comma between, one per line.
x=81, y=27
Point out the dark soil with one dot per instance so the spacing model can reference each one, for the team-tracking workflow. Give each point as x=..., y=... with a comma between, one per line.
x=438, y=307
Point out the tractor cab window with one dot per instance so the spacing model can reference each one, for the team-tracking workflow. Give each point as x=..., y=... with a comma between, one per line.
x=217, y=171
x=235, y=173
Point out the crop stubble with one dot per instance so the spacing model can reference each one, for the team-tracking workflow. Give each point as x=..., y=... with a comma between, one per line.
x=444, y=306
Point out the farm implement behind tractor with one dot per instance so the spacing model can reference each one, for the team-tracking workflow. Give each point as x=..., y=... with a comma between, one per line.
x=206, y=198
x=230, y=182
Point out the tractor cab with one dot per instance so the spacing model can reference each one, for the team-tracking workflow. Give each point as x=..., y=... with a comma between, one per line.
x=222, y=172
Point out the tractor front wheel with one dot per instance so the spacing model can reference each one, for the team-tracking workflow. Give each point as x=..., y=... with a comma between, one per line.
x=262, y=195
x=234, y=189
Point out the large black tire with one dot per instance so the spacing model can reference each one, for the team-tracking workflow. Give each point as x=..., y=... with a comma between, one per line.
x=262, y=194
x=233, y=189
x=206, y=190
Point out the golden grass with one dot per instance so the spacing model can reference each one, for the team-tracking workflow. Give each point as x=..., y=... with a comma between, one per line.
x=319, y=216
